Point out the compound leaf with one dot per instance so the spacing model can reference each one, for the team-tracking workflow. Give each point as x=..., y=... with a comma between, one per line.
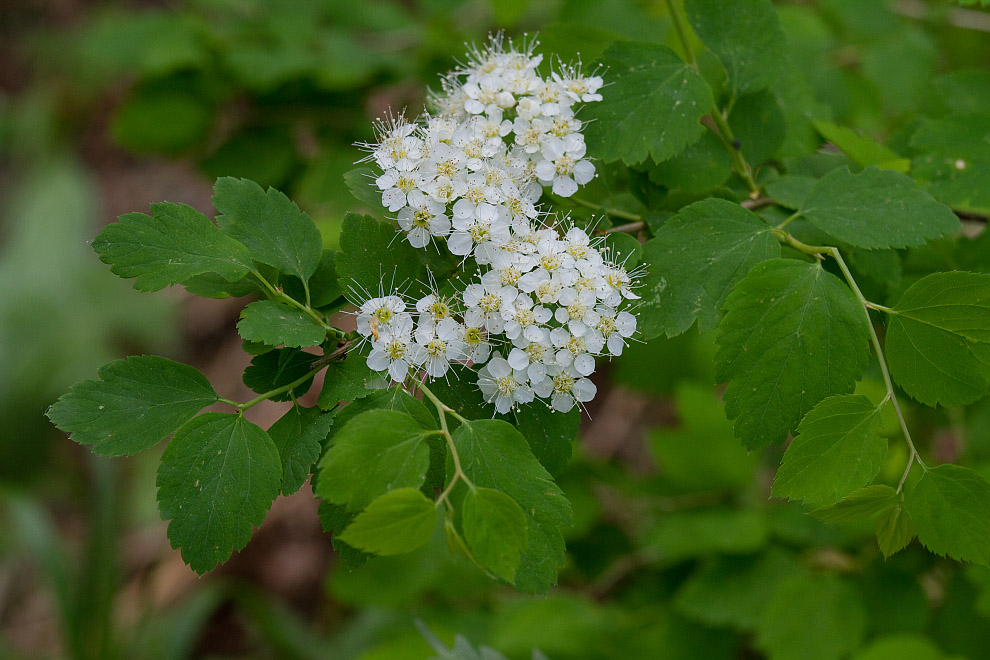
x=272, y=227
x=950, y=507
x=837, y=450
x=652, y=108
x=695, y=259
x=792, y=335
x=938, y=339
x=174, y=244
x=399, y=521
x=135, y=403
x=217, y=479
x=876, y=209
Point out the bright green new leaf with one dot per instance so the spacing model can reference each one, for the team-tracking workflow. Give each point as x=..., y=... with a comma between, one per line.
x=950, y=507
x=900, y=647
x=373, y=257
x=175, y=243
x=864, y=502
x=375, y=452
x=216, y=480
x=748, y=42
x=862, y=150
x=276, y=324
x=792, y=335
x=653, y=106
x=895, y=529
x=495, y=455
x=938, y=340
x=495, y=529
x=876, y=209
x=955, y=160
x=837, y=450
x=271, y=226
x=813, y=618
x=399, y=521
x=694, y=261
x=135, y=403
x=298, y=437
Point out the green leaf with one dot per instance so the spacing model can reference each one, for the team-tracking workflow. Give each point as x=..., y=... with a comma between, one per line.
x=950, y=507
x=757, y=122
x=334, y=519
x=298, y=437
x=938, y=339
x=162, y=119
x=734, y=591
x=792, y=335
x=813, y=618
x=895, y=529
x=495, y=529
x=876, y=209
x=550, y=434
x=862, y=150
x=683, y=535
x=374, y=258
x=375, y=452
x=837, y=450
x=279, y=367
x=174, y=244
x=653, y=106
x=135, y=403
x=699, y=168
x=361, y=183
x=791, y=190
x=749, y=43
x=216, y=480
x=694, y=261
x=494, y=455
x=954, y=160
x=323, y=285
x=864, y=502
x=277, y=324
x=399, y=521
x=272, y=227
x=900, y=646
x=346, y=380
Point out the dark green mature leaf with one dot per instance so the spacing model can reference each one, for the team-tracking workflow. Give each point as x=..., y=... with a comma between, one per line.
x=864, y=502
x=277, y=324
x=373, y=258
x=550, y=434
x=749, y=43
x=652, y=108
x=375, y=452
x=277, y=368
x=216, y=480
x=813, y=618
x=758, y=123
x=271, y=226
x=346, y=380
x=837, y=450
x=495, y=529
x=876, y=209
x=734, y=591
x=938, y=340
x=494, y=455
x=950, y=506
x=955, y=160
x=361, y=183
x=399, y=521
x=323, y=285
x=791, y=190
x=334, y=519
x=175, y=243
x=694, y=261
x=862, y=150
x=135, y=403
x=792, y=335
x=895, y=529
x=298, y=437
x=699, y=168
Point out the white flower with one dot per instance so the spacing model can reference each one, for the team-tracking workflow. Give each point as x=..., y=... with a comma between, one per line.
x=614, y=284
x=395, y=185
x=485, y=304
x=502, y=385
x=433, y=308
x=522, y=318
x=577, y=310
x=476, y=225
x=614, y=328
x=395, y=354
x=422, y=219
x=565, y=387
x=386, y=314
x=564, y=166
x=438, y=345
x=475, y=344
x=576, y=350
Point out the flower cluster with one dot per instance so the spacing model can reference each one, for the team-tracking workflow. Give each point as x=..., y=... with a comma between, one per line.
x=548, y=298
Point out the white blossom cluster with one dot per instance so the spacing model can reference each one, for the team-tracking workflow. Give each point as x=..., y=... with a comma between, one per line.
x=548, y=298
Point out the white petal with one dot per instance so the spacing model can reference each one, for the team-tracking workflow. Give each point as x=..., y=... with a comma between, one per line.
x=585, y=364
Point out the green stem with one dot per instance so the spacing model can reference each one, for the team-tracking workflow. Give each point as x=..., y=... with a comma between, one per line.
x=681, y=28
x=615, y=213
x=442, y=410
x=739, y=163
x=789, y=219
x=278, y=390
x=817, y=251
x=284, y=297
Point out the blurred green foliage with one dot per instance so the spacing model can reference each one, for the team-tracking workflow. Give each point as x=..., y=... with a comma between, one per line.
x=690, y=560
